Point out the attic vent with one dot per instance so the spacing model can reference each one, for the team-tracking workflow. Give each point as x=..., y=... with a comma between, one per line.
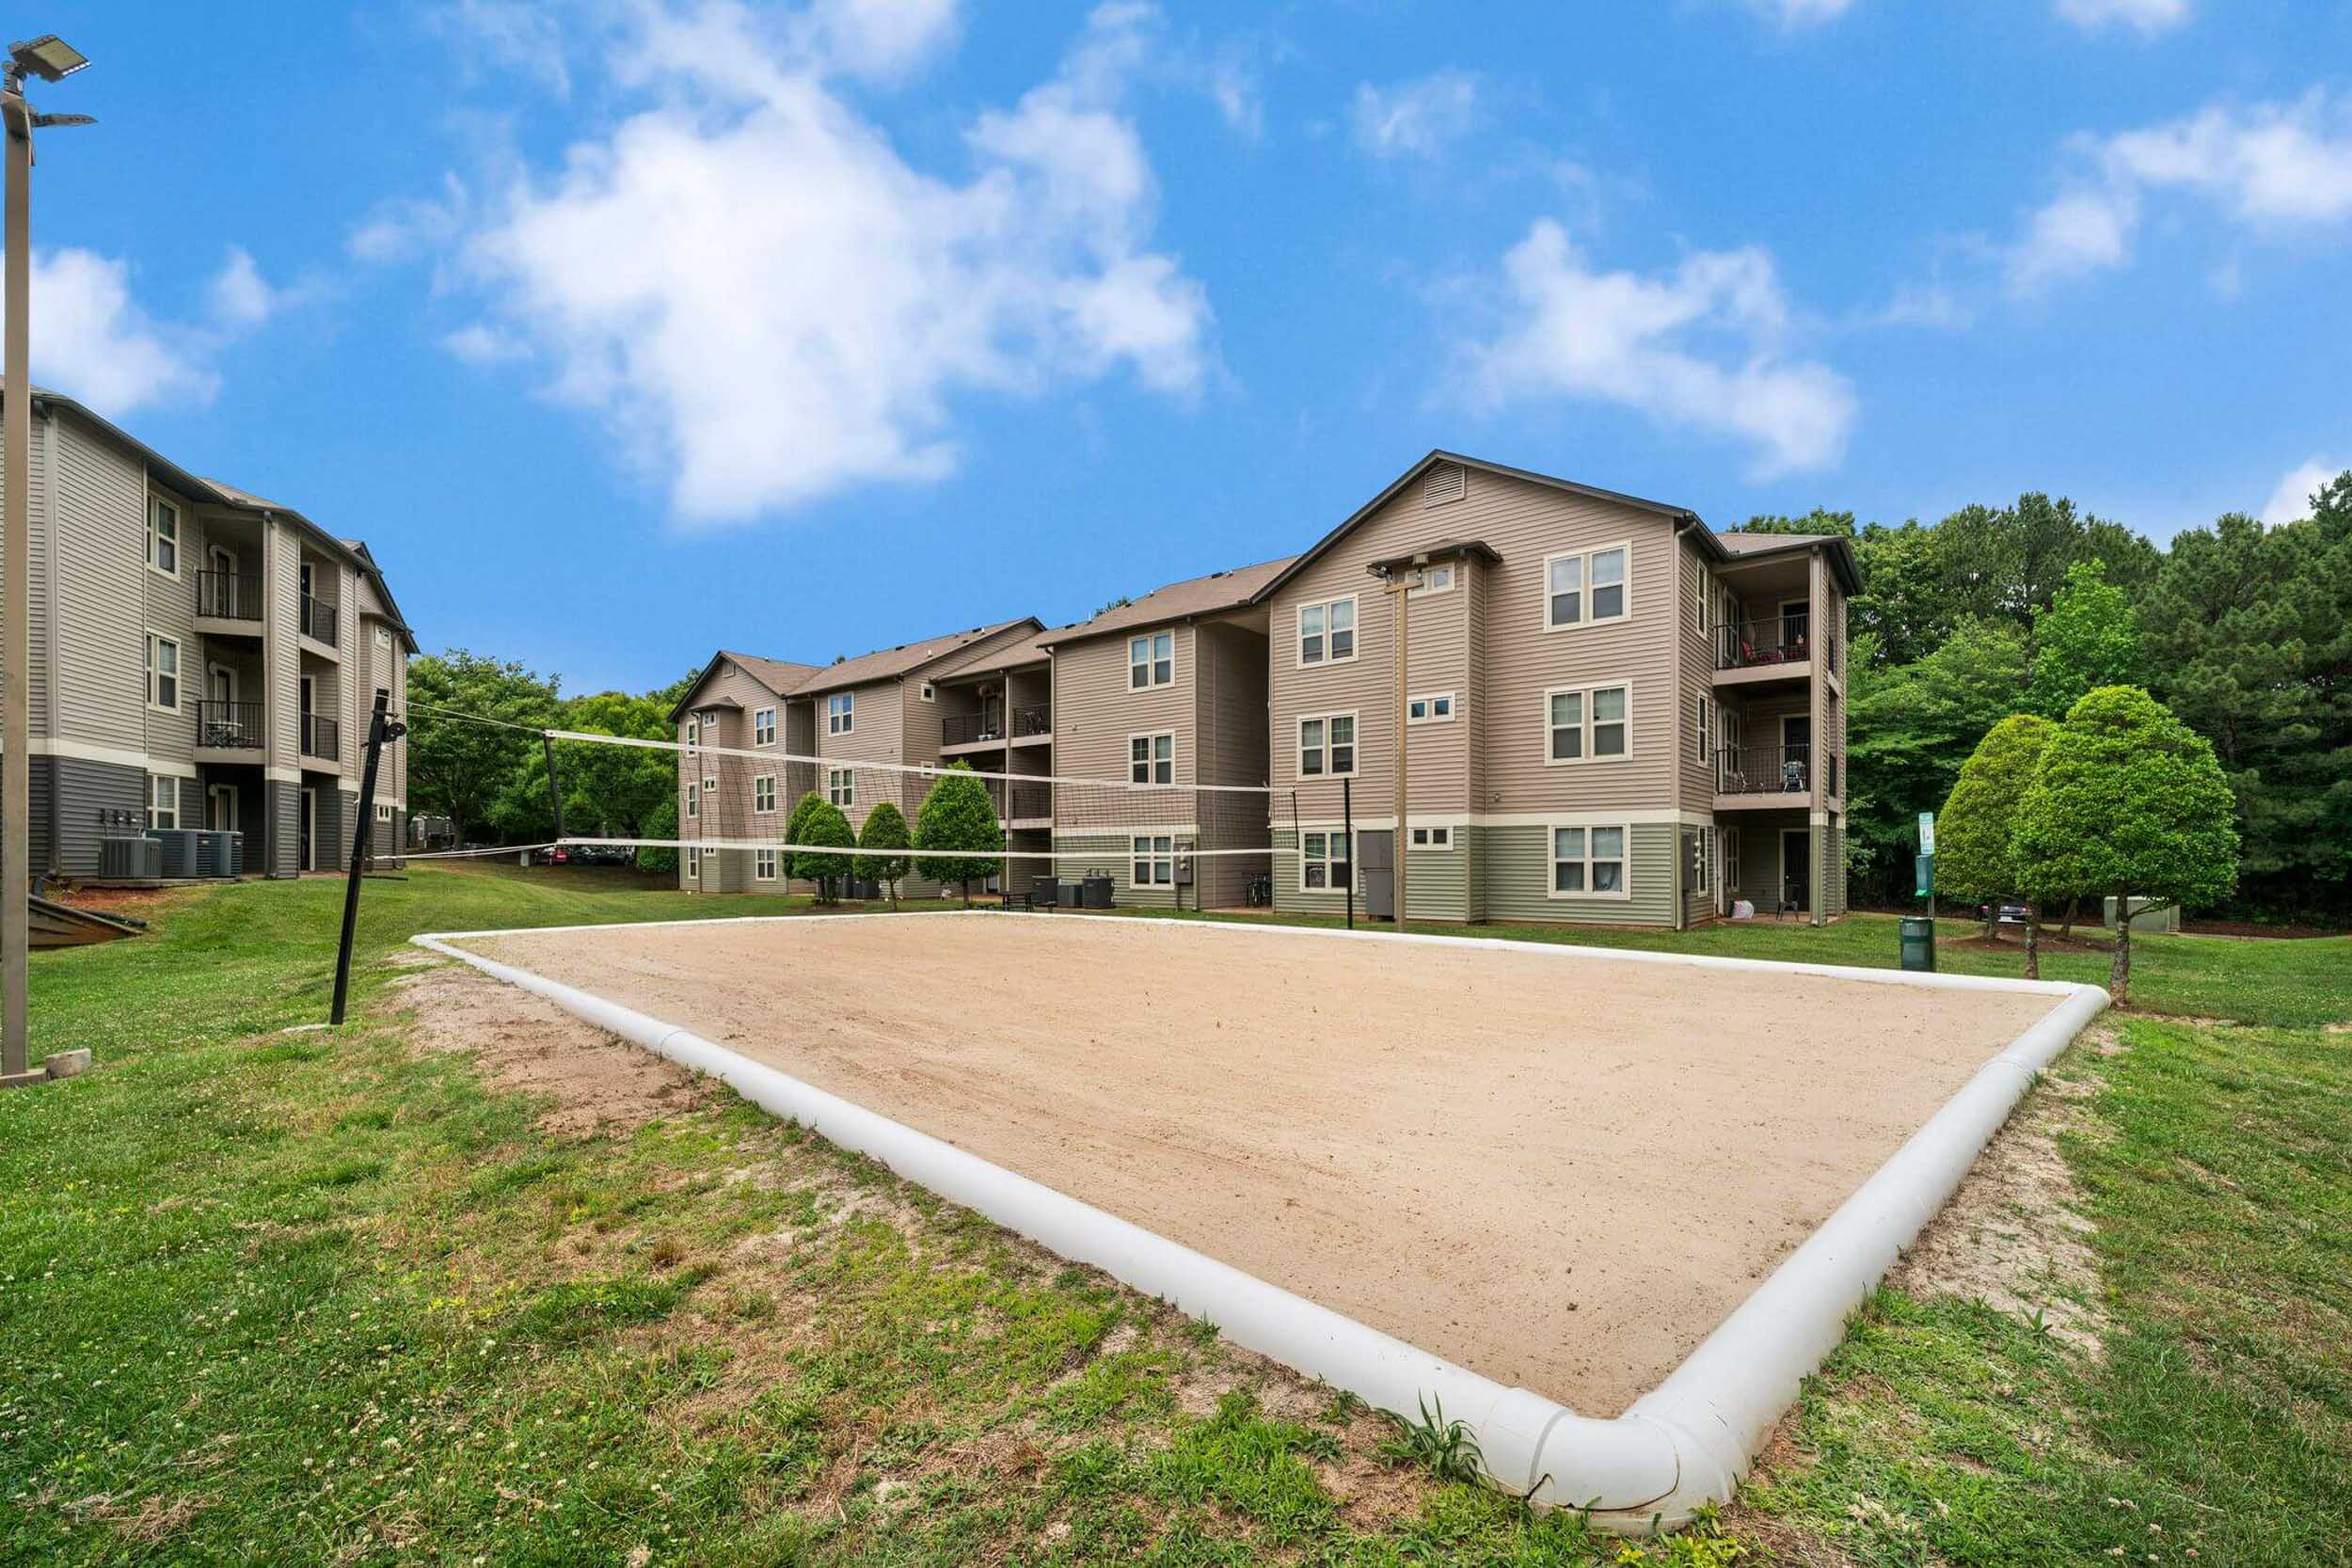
x=1446, y=482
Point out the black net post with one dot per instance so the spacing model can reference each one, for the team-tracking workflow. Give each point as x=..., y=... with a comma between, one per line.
x=1347, y=842
x=378, y=734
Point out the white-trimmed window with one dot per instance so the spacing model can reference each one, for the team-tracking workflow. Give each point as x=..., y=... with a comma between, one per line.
x=693, y=801
x=1155, y=860
x=764, y=793
x=763, y=865
x=383, y=813
x=1323, y=864
x=841, y=713
x=764, y=727
x=841, y=786
x=1588, y=724
x=1434, y=579
x=1434, y=838
x=1703, y=599
x=1588, y=587
x=1435, y=708
x=163, y=800
x=1702, y=859
x=1703, y=728
x=1151, y=661
x=162, y=536
x=1591, y=861
x=1152, y=759
x=1327, y=631
x=383, y=637
x=1326, y=746
x=694, y=731
x=928, y=692
x=163, y=672
x=693, y=861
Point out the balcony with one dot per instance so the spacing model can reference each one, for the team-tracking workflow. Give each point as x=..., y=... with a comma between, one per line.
x=319, y=624
x=230, y=732
x=988, y=728
x=229, y=603
x=321, y=738
x=1032, y=804
x=1760, y=776
x=1775, y=648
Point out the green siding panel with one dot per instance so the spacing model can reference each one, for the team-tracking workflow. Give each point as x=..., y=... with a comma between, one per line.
x=1515, y=869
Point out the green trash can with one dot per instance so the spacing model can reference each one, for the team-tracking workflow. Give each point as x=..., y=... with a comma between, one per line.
x=1918, y=940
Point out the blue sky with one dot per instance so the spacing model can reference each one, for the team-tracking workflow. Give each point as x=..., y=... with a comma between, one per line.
x=627, y=330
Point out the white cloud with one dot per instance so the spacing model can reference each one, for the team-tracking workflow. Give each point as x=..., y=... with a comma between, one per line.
x=241, y=296
x=882, y=38
x=91, y=341
x=2270, y=167
x=2147, y=17
x=2292, y=499
x=1799, y=13
x=768, y=303
x=1700, y=346
x=1417, y=118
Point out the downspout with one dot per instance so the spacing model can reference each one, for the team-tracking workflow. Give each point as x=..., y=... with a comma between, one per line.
x=50, y=641
x=1673, y=798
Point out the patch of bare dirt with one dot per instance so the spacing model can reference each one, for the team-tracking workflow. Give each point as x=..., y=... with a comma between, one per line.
x=590, y=1080
x=2014, y=1236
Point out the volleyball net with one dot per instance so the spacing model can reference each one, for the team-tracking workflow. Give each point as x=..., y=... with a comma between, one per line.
x=743, y=818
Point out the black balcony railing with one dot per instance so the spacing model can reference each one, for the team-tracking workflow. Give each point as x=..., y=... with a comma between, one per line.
x=229, y=595
x=1773, y=640
x=318, y=621
x=320, y=737
x=1764, y=770
x=964, y=729
x=229, y=725
x=1030, y=803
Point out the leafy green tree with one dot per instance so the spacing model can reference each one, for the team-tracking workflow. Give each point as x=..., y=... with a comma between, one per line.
x=2086, y=638
x=462, y=769
x=1905, y=605
x=615, y=790
x=1909, y=729
x=2250, y=640
x=886, y=829
x=1820, y=520
x=959, y=818
x=1976, y=832
x=663, y=823
x=818, y=823
x=2129, y=802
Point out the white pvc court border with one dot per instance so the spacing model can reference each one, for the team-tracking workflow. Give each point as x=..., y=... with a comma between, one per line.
x=1676, y=1450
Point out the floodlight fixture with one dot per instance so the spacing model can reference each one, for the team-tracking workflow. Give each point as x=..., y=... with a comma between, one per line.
x=48, y=57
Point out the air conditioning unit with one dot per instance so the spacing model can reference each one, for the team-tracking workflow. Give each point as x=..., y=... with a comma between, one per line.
x=178, y=848
x=130, y=859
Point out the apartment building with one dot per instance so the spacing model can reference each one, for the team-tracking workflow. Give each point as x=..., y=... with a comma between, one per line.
x=1612, y=715
x=1169, y=689
x=878, y=707
x=202, y=657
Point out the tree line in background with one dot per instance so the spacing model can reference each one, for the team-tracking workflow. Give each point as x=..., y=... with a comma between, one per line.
x=2243, y=631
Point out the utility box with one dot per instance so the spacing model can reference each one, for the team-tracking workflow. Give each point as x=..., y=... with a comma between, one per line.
x=1918, y=943
x=223, y=854
x=1376, y=852
x=130, y=859
x=2147, y=918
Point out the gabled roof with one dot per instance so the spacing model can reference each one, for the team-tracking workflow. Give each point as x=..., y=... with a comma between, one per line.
x=1179, y=601
x=778, y=675
x=904, y=659
x=989, y=661
x=1744, y=548
x=220, y=494
x=1437, y=456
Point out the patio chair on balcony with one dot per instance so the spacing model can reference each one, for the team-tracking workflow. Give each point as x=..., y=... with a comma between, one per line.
x=1793, y=777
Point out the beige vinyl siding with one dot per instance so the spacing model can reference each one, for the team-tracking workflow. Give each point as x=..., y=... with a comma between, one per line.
x=99, y=561
x=1697, y=581
x=1095, y=713
x=1520, y=661
x=1230, y=731
x=1515, y=864
x=282, y=587
x=1474, y=718
x=1107, y=854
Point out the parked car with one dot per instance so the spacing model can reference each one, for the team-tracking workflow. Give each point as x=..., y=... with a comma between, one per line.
x=2007, y=911
x=557, y=855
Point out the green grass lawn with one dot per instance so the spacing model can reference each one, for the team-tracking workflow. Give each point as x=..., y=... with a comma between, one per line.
x=271, y=1297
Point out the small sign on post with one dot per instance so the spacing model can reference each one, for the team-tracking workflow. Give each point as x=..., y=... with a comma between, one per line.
x=1927, y=833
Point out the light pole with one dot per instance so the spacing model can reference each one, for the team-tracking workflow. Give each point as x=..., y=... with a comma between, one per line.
x=52, y=59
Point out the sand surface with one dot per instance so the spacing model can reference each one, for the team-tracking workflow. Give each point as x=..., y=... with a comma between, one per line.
x=1561, y=1172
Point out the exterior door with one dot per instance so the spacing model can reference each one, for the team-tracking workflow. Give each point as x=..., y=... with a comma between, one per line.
x=220, y=810
x=222, y=600
x=1376, y=847
x=307, y=851
x=1796, y=753
x=1728, y=848
x=1796, y=868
